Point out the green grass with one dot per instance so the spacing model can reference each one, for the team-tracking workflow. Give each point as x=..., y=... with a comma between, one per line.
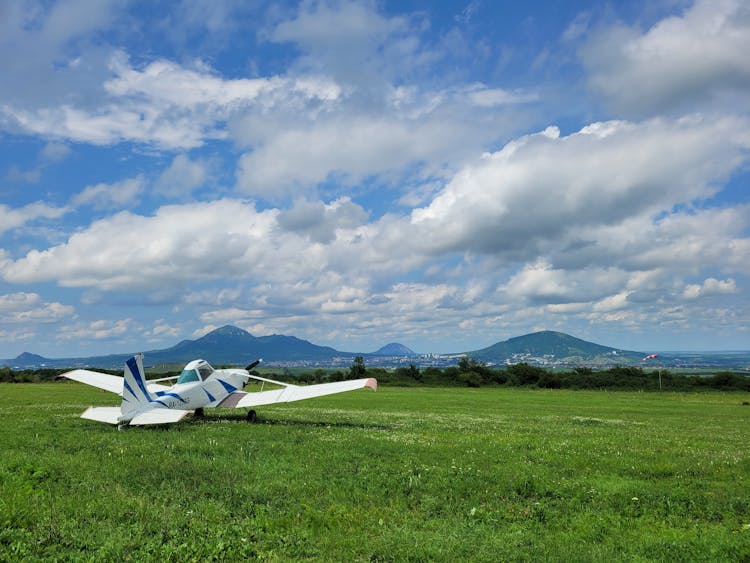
x=401, y=474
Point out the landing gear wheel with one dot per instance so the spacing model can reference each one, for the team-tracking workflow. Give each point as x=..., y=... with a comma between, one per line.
x=198, y=413
x=252, y=416
x=121, y=427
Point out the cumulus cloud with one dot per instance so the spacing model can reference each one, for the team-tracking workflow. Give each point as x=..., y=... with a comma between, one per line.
x=11, y=218
x=710, y=286
x=320, y=221
x=182, y=176
x=384, y=123
x=163, y=329
x=540, y=282
x=29, y=308
x=163, y=104
x=103, y=329
x=697, y=56
x=351, y=148
x=178, y=244
x=541, y=221
x=365, y=48
x=109, y=196
x=542, y=188
x=55, y=152
x=53, y=40
x=481, y=95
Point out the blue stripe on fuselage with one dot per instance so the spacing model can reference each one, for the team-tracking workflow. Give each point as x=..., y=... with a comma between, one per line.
x=230, y=388
x=175, y=395
x=210, y=397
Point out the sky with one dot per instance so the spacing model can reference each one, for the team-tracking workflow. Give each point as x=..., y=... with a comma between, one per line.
x=444, y=175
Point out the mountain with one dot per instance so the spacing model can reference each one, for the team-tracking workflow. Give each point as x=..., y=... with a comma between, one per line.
x=393, y=349
x=225, y=345
x=549, y=347
x=29, y=359
x=232, y=345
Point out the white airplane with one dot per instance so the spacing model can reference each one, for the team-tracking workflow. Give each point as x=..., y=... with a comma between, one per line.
x=198, y=386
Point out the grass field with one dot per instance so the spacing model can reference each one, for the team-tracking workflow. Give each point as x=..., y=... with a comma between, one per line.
x=401, y=474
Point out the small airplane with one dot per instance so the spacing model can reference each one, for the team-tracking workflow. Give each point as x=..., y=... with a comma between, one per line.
x=197, y=387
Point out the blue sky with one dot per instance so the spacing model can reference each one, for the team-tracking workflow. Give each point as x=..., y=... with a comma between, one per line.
x=445, y=175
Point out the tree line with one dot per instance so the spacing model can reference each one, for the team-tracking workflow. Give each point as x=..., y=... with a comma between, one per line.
x=471, y=373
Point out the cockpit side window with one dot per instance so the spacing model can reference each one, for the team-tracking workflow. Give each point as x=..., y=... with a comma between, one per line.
x=188, y=375
x=205, y=370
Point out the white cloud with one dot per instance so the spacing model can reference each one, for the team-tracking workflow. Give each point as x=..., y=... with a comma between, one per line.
x=710, y=286
x=55, y=152
x=11, y=219
x=540, y=282
x=352, y=147
x=183, y=176
x=698, y=56
x=483, y=96
x=350, y=41
x=12, y=302
x=48, y=52
x=178, y=244
x=166, y=84
x=29, y=308
x=543, y=190
x=162, y=330
x=107, y=196
x=102, y=329
x=319, y=221
x=613, y=302
x=165, y=104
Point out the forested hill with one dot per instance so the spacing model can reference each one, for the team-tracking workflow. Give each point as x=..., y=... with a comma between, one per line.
x=554, y=347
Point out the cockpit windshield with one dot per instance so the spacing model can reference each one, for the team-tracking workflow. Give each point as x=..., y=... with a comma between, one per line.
x=197, y=370
x=188, y=375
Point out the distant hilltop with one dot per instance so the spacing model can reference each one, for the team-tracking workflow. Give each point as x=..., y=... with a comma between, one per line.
x=554, y=348
x=230, y=345
x=394, y=349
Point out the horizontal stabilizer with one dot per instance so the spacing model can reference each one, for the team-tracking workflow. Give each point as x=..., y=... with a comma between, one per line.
x=300, y=392
x=102, y=414
x=159, y=416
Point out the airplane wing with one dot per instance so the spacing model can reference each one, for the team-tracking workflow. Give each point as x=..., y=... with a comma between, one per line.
x=111, y=383
x=291, y=393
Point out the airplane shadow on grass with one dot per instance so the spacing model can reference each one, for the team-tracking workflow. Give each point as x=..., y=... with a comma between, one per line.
x=233, y=418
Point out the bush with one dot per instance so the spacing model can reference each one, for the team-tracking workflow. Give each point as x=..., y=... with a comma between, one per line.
x=524, y=374
x=470, y=378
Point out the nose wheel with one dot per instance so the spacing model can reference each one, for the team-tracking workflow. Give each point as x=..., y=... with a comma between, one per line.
x=252, y=416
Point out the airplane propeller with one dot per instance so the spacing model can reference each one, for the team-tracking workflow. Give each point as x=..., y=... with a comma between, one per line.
x=251, y=366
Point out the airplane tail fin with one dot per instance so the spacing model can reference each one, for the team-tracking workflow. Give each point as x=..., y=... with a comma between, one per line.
x=134, y=391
